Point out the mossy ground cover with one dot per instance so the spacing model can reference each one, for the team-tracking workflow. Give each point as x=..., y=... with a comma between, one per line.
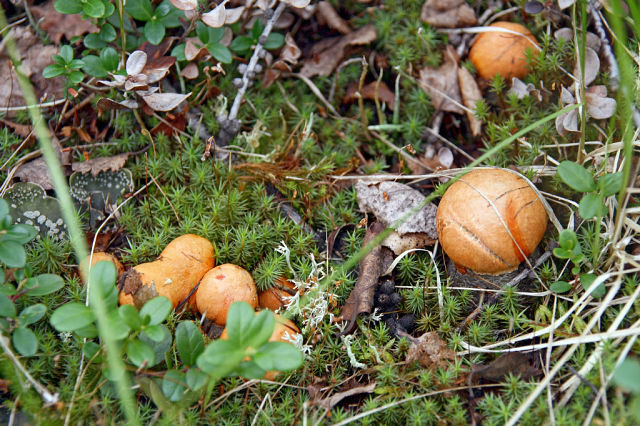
x=242, y=203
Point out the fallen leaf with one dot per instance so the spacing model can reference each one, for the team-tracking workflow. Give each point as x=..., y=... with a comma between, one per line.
x=106, y=104
x=442, y=83
x=391, y=201
x=448, y=13
x=172, y=124
x=165, y=101
x=190, y=71
x=185, y=4
x=35, y=171
x=215, y=18
x=591, y=66
x=35, y=57
x=384, y=94
x=334, y=399
x=328, y=15
x=22, y=130
x=400, y=243
x=517, y=363
x=521, y=90
x=57, y=24
x=101, y=164
x=289, y=56
x=471, y=94
x=599, y=106
x=371, y=266
x=330, y=52
x=430, y=351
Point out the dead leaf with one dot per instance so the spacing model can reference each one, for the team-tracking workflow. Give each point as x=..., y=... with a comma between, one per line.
x=430, y=351
x=385, y=95
x=101, y=164
x=328, y=15
x=165, y=101
x=57, y=25
x=172, y=124
x=516, y=363
x=106, y=104
x=329, y=52
x=522, y=90
x=185, y=4
x=35, y=171
x=35, y=57
x=289, y=56
x=471, y=94
x=448, y=13
x=371, y=266
x=215, y=18
x=442, y=83
x=391, y=201
x=334, y=399
x=190, y=71
x=22, y=130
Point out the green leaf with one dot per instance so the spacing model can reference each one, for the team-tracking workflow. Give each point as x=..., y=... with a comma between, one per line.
x=53, y=70
x=94, y=67
x=274, y=41
x=155, y=332
x=93, y=41
x=158, y=309
x=110, y=59
x=178, y=52
x=173, y=385
x=68, y=7
x=567, y=239
x=72, y=316
x=196, y=379
x=249, y=370
x=109, y=8
x=220, y=52
x=4, y=209
x=154, y=32
x=220, y=358
x=560, y=287
x=202, y=31
x=587, y=280
x=90, y=349
x=256, y=30
x=189, y=342
x=75, y=64
x=627, y=375
x=93, y=8
x=119, y=328
x=43, y=284
x=130, y=316
x=279, y=356
x=610, y=183
x=107, y=33
x=66, y=53
x=171, y=19
x=7, y=307
x=76, y=77
x=12, y=254
x=24, y=341
x=247, y=329
x=139, y=9
x=88, y=332
x=591, y=206
x=32, y=314
x=102, y=280
x=241, y=44
x=139, y=353
x=20, y=233
x=159, y=348
x=576, y=176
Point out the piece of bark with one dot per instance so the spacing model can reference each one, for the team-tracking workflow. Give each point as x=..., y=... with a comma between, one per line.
x=371, y=266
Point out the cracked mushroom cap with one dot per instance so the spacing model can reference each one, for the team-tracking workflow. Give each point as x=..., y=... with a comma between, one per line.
x=496, y=52
x=490, y=220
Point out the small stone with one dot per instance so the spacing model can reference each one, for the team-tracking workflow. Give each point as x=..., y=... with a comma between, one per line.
x=237, y=82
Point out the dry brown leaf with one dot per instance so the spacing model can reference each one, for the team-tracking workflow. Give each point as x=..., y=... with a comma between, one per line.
x=190, y=71
x=106, y=104
x=441, y=81
x=400, y=243
x=22, y=130
x=329, y=52
x=35, y=57
x=101, y=164
x=518, y=363
x=430, y=351
x=328, y=15
x=471, y=94
x=57, y=25
x=391, y=201
x=385, y=95
x=448, y=13
x=35, y=171
x=165, y=101
x=371, y=266
x=334, y=399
